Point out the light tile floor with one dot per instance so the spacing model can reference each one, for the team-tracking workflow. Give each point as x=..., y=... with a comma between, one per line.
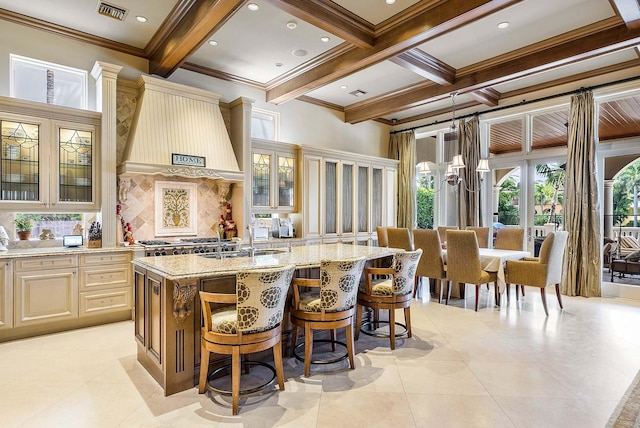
x=499, y=367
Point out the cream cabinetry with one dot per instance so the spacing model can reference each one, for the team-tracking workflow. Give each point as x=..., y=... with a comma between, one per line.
x=345, y=195
x=45, y=290
x=105, y=283
x=273, y=177
x=49, y=158
x=6, y=294
x=46, y=293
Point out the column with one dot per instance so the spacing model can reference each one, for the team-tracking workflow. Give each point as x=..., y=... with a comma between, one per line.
x=106, y=78
x=608, y=208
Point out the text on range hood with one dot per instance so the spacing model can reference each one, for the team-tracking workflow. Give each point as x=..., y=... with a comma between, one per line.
x=176, y=119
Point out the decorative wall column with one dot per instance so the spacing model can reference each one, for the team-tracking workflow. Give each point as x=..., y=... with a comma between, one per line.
x=241, y=109
x=496, y=200
x=106, y=79
x=608, y=208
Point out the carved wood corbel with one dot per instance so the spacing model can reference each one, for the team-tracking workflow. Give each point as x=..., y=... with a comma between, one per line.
x=183, y=296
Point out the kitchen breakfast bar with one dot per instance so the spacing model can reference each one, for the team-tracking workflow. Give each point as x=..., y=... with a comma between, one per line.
x=167, y=310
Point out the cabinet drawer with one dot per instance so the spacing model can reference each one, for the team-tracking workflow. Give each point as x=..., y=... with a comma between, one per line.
x=48, y=262
x=100, y=277
x=93, y=302
x=105, y=258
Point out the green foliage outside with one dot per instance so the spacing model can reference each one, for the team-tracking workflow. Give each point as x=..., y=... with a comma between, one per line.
x=507, y=212
x=424, y=202
x=625, y=194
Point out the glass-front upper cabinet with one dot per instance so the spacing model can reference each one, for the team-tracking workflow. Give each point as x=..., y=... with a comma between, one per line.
x=75, y=179
x=48, y=164
x=20, y=165
x=273, y=173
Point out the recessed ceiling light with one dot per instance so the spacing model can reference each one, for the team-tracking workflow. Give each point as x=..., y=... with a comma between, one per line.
x=253, y=6
x=502, y=25
x=299, y=52
x=141, y=18
x=390, y=1
x=343, y=87
x=213, y=43
x=357, y=93
x=291, y=25
x=324, y=39
x=279, y=64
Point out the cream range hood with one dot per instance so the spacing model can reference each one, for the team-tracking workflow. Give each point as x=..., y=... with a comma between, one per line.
x=178, y=130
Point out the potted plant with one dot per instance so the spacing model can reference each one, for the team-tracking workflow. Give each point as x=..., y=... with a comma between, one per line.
x=23, y=227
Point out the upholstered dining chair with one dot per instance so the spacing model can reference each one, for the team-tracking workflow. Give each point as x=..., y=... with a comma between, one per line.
x=541, y=271
x=442, y=232
x=482, y=233
x=431, y=264
x=383, y=240
x=250, y=321
x=400, y=237
x=388, y=294
x=509, y=238
x=463, y=262
x=328, y=306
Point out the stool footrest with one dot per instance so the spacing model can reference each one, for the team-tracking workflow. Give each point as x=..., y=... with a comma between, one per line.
x=372, y=332
x=260, y=387
x=330, y=361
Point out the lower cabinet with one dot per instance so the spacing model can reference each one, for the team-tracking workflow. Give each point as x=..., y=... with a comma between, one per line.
x=46, y=295
x=54, y=293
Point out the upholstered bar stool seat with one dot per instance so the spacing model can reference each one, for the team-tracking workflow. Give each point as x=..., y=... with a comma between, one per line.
x=250, y=322
x=388, y=294
x=329, y=305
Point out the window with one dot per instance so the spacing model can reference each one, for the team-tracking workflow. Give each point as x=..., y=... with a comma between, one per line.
x=45, y=82
x=59, y=224
x=265, y=124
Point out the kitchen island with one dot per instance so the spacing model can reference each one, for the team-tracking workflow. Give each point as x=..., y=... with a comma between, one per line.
x=167, y=310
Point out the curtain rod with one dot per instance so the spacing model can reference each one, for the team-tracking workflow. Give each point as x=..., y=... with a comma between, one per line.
x=522, y=103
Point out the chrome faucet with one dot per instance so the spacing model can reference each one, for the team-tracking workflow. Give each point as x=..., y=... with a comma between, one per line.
x=252, y=249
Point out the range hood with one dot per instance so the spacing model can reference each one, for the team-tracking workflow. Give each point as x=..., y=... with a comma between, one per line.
x=178, y=130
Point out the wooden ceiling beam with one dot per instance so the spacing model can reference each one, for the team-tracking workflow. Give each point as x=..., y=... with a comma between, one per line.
x=203, y=18
x=327, y=16
x=425, y=65
x=430, y=23
x=629, y=10
x=486, y=96
x=531, y=61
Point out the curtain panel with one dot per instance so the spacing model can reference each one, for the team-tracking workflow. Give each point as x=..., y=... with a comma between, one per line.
x=581, y=264
x=469, y=190
x=402, y=147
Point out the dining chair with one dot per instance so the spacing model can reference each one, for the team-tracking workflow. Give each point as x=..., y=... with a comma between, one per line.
x=400, y=237
x=250, y=321
x=388, y=294
x=541, y=271
x=328, y=306
x=509, y=238
x=482, y=233
x=431, y=264
x=463, y=262
x=442, y=232
x=383, y=240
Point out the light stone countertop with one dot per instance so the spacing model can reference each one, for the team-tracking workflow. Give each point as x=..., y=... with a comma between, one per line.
x=13, y=253
x=191, y=266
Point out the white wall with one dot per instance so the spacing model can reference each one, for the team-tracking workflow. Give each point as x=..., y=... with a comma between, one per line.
x=21, y=40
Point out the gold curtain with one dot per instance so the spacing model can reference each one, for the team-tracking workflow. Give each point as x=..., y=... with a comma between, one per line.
x=469, y=189
x=581, y=212
x=402, y=146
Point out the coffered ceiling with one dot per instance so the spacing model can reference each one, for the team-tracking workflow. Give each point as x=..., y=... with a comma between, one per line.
x=393, y=63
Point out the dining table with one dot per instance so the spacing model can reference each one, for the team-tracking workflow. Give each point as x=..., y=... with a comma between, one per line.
x=495, y=260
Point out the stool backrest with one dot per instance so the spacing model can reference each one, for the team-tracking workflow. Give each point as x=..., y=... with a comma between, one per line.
x=405, y=265
x=262, y=294
x=339, y=283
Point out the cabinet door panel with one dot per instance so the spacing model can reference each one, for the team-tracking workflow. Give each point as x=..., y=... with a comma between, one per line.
x=261, y=177
x=285, y=181
x=44, y=296
x=154, y=294
x=139, y=309
x=311, y=196
x=6, y=294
